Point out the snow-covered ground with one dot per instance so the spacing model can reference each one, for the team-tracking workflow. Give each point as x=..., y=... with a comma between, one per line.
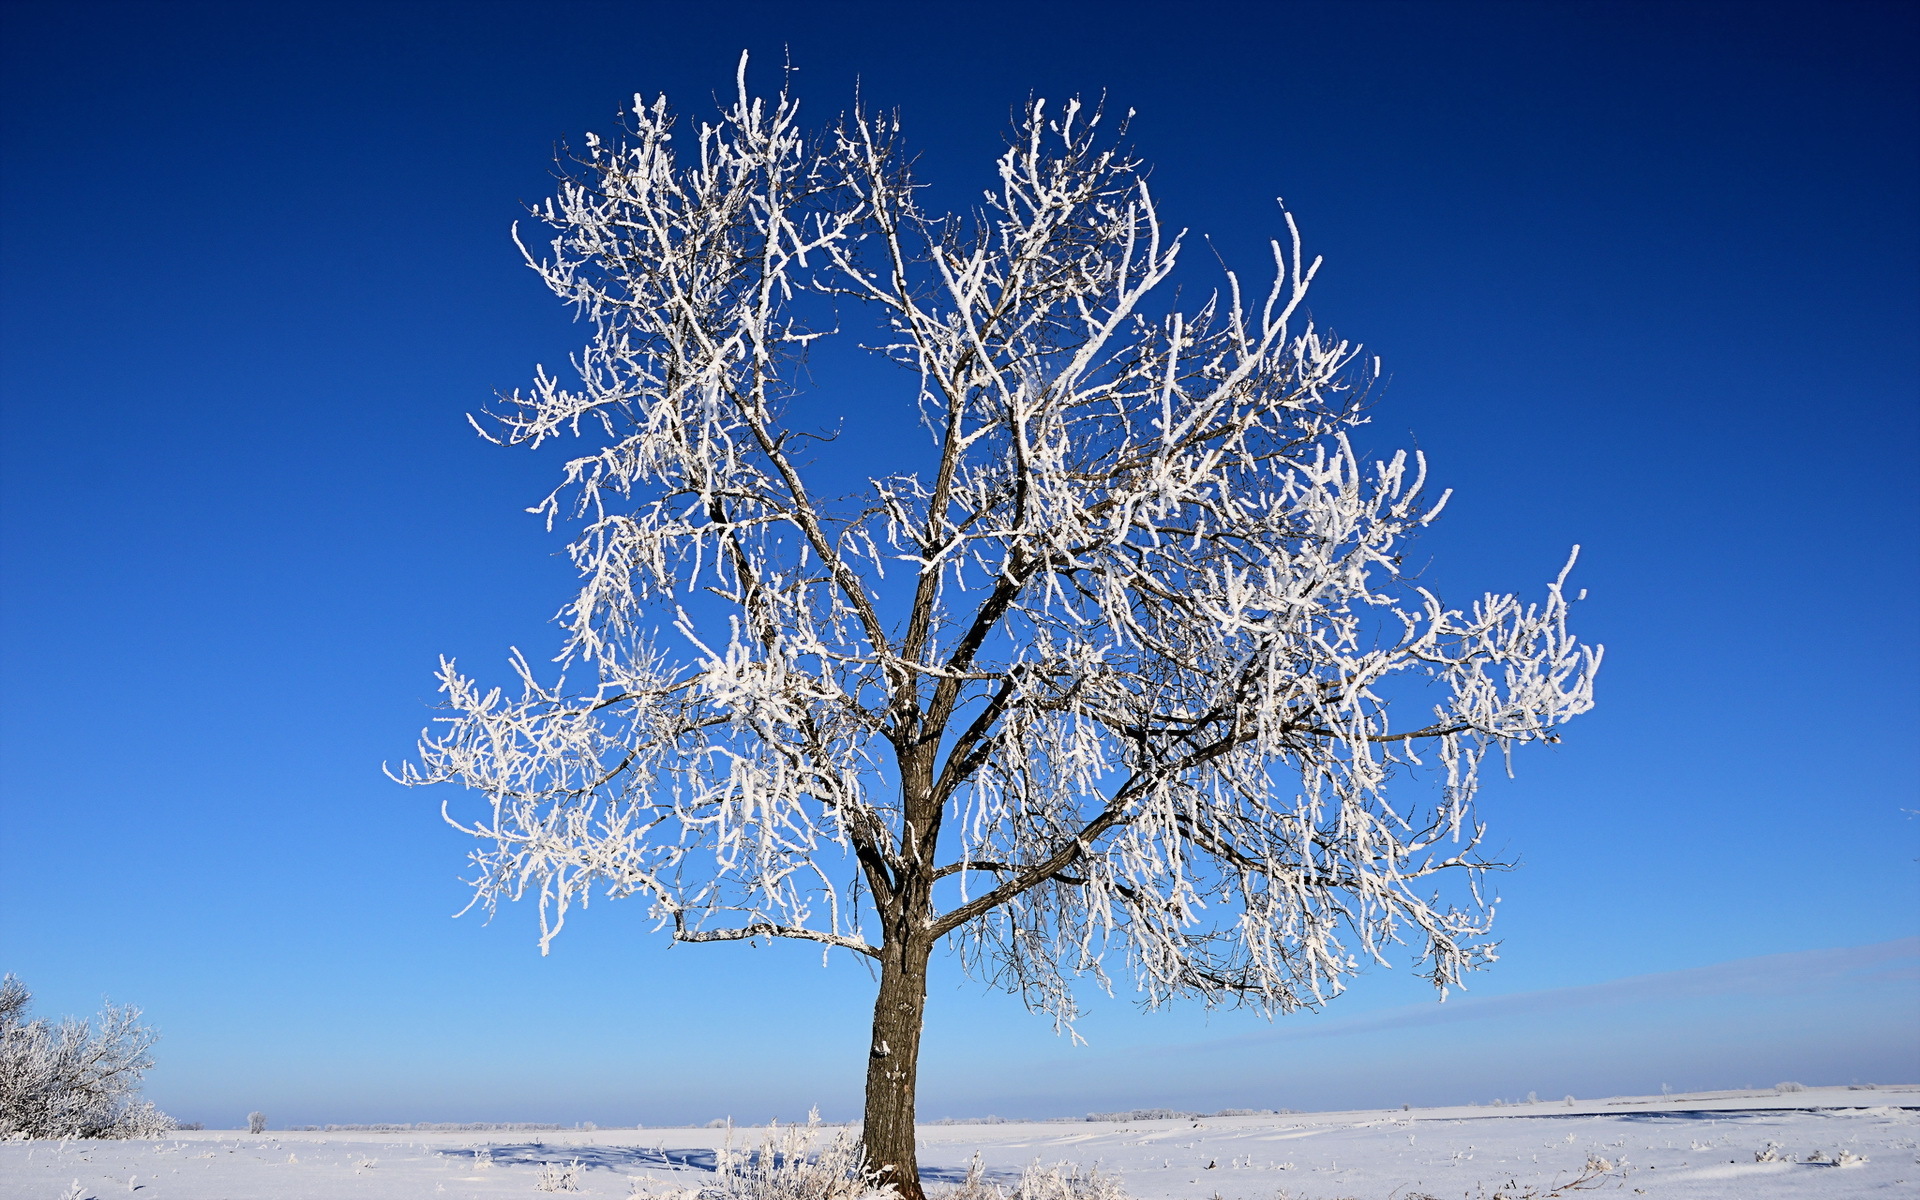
x=1695, y=1146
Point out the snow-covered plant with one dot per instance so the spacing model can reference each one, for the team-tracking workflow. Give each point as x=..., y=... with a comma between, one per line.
x=1063, y=1181
x=791, y=1164
x=1839, y=1158
x=1116, y=666
x=976, y=1185
x=74, y=1079
x=1597, y=1174
x=256, y=1122
x=558, y=1177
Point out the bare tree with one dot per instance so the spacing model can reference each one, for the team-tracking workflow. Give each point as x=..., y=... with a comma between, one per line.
x=74, y=1079
x=1107, y=674
x=256, y=1122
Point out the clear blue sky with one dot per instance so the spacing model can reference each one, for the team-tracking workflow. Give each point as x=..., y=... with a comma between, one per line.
x=1644, y=278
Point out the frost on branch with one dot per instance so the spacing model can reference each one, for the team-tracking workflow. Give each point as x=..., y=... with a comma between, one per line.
x=1120, y=670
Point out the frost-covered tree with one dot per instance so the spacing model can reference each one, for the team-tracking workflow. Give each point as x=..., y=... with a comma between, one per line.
x=1116, y=671
x=74, y=1079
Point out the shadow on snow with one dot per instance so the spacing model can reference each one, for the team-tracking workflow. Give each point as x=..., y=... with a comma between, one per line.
x=651, y=1158
x=611, y=1158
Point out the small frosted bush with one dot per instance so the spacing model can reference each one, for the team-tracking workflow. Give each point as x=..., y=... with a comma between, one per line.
x=256, y=1122
x=787, y=1167
x=1840, y=1158
x=556, y=1178
x=1060, y=1182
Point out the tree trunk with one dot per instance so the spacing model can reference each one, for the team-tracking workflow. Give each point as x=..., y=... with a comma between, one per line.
x=893, y=1064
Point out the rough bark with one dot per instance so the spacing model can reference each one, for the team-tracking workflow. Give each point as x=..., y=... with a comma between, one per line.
x=893, y=1062
x=899, y=1011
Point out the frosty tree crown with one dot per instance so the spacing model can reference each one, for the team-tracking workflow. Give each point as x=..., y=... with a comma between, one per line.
x=1108, y=674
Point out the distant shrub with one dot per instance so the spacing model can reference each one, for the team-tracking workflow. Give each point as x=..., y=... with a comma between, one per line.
x=74, y=1080
x=256, y=1122
x=1789, y=1087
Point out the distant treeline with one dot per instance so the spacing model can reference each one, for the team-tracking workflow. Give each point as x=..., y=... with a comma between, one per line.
x=445, y=1127
x=1132, y=1114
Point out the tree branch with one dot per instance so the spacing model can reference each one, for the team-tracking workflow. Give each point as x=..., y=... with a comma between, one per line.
x=768, y=929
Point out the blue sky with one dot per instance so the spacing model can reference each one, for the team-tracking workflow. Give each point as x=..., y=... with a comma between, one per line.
x=1642, y=275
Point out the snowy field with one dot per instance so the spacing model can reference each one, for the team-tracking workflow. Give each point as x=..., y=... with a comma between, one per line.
x=1731, y=1145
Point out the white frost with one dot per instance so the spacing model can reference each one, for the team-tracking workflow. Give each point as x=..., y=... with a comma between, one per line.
x=1114, y=665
